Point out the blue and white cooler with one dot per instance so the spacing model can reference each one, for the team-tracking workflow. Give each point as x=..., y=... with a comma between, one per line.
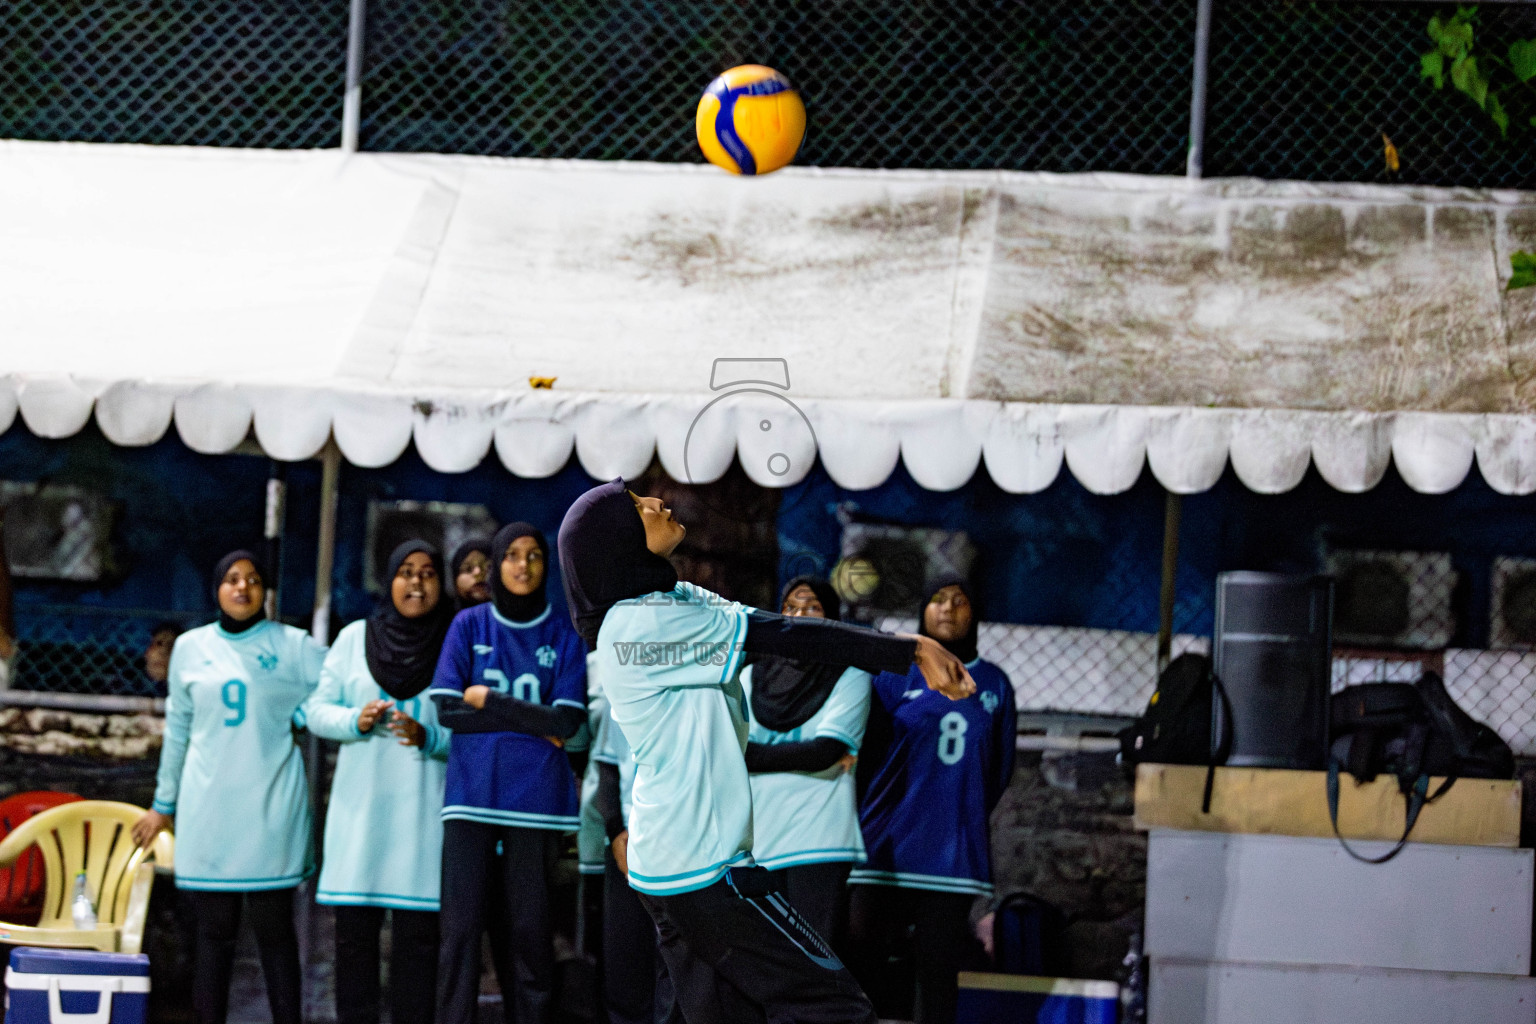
x=76, y=986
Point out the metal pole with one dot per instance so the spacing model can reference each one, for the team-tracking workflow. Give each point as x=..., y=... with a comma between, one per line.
x=1195, y=167
x=320, y=629
x=325, y=557
x=352, y=101
x=277, y=514
x=1172, y=510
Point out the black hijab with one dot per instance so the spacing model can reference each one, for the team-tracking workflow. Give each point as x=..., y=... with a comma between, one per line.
x=230, y=625
x=517, y=607
x=463, y=551
x=786, y=693
x=401, y=652
x=965, y=647
x=603, y=557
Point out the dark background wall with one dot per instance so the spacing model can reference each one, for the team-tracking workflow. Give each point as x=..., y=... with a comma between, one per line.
x=1063, y=556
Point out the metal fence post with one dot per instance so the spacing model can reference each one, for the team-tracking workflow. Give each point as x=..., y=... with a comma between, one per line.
x=272, y=533
x=1172, y=513
x=352, y=100
x=1195, y=167
x=320, y=629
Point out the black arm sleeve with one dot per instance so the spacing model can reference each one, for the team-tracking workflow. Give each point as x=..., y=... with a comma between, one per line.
x=811, y=756
x=828, y=642
x=508, y=714
x=607, y=801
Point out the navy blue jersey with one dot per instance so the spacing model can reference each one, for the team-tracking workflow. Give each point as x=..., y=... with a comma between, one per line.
x=510, y=778
x=925, y=814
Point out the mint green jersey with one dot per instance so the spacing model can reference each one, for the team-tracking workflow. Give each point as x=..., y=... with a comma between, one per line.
x=230, y=770
x=810, y=817
x=383, y=833
x=668, y=663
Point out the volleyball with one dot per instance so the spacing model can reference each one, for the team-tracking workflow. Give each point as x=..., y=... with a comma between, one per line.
x=750, y=120
x=855, y=579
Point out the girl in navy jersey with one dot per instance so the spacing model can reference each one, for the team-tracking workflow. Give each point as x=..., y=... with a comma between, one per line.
x=926, y=810
x=471, y=585
x=511, y=685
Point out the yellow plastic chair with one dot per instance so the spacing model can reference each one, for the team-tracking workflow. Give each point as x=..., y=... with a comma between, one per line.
x=91, y=836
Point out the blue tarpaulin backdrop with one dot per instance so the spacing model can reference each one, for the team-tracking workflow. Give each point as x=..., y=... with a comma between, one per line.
x=1063, y=556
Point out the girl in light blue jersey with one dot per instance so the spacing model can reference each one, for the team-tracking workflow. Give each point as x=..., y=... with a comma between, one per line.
x=807, y=722
x=232, y=779
x=669, y=653
x=383, y=836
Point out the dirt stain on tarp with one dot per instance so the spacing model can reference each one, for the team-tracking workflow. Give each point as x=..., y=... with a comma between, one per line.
x=853, y=244
x=1302, y=304
x=688, y=251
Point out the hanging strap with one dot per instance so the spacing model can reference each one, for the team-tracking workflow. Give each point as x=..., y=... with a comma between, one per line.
x=1416, y=797
x=1222, y=748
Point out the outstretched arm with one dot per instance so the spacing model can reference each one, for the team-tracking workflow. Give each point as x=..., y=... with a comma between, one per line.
x=838, y=643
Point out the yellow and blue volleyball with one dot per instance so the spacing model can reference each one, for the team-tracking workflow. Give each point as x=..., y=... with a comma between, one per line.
x=750, y=120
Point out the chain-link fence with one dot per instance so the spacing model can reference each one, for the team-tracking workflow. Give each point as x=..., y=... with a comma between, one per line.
x=1314, y=90
x=1297, y=89
x=1421, y=583
x=1059, y=85
x=1397, y=614
x=186, y=72
x=78, y=649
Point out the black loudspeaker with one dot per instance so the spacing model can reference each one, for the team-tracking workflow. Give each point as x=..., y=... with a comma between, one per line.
x=1274, y=656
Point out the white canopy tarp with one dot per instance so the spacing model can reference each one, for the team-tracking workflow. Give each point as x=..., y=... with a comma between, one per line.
x=946, y=319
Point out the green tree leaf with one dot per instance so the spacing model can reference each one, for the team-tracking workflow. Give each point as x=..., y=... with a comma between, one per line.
x=1479, y=83
x=1466, y=77
x=1496, y=111
x=1432, y=66
x=1453, y=38
x=1522, y=58
x=1456, y=37
x=1523, y=265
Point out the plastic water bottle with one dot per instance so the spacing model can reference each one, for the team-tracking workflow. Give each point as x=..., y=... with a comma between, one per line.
x=84, y=913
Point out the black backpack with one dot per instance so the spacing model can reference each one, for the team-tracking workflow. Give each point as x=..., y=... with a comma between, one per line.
x=1176, y=728
x=1412, y=731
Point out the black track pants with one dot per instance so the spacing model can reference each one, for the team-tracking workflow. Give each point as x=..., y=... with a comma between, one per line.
x=636, y=987
x=469, y=854
x=218, y=926
x=820, y=893
x=412, y=965
x=941, y=942
x=737, y=953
